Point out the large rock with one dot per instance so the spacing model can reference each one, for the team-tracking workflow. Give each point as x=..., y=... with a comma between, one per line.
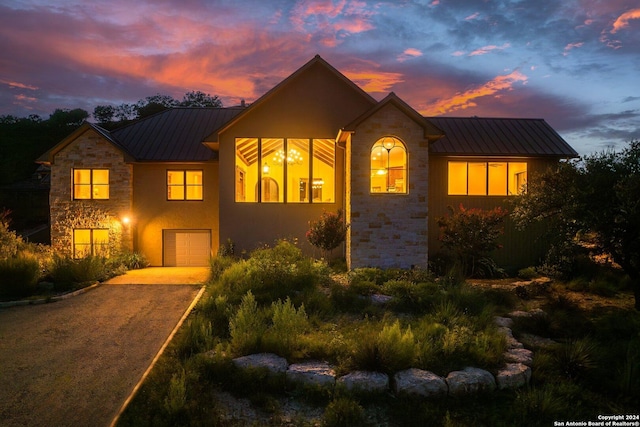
x=272, y=362
x=420, y=383
x=519, y=355
x=469, y=381
x=511, y=341
x=365, y=381
x=513, y=375
x=505, y=322
x=312, y=373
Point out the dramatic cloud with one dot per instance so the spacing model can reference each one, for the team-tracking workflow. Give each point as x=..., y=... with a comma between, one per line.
x=441, y=57
x=467, y=99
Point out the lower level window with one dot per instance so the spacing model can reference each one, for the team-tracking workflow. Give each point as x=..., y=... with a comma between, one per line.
x=487, y=178
x=90, y=242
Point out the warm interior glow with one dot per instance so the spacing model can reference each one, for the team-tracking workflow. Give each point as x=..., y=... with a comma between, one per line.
x=388, y=166
x=88, y=242
x=91, y=184
x=184, y=185
x=486, y=178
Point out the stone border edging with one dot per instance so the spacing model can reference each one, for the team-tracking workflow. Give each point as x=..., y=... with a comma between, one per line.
x=516, y=373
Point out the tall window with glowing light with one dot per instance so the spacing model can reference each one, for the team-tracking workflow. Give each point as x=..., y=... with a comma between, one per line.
x=279, y=170
x=389, y=166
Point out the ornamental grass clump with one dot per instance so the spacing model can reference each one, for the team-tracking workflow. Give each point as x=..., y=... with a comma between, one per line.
x=388, y=350
x=247, y=327
x=287, y=325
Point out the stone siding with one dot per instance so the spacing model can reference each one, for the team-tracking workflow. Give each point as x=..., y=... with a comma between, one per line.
x=387, y=230
x=90, y=150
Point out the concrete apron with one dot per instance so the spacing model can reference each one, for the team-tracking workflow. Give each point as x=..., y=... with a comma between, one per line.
x=162, y=276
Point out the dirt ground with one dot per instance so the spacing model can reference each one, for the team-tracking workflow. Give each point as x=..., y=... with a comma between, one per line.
x=74, y=362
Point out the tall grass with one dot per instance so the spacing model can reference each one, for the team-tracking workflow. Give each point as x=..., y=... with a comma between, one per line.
x=19, y=275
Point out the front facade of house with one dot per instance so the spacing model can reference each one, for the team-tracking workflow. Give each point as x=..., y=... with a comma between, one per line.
x=177, y=185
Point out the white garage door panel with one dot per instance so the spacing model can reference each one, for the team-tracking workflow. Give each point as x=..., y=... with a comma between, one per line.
x=187, y=248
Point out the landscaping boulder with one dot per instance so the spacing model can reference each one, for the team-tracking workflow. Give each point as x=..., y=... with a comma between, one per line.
x=511, y=341
x=420, y=383
x=505, y=322
x=519, y=355
x=312, y=373
x=365, y=381
x=469, y=381
x=272, y=362
x=380, y=299
x=513, y=375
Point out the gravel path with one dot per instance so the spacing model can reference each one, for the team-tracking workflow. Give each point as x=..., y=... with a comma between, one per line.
x=74, y=362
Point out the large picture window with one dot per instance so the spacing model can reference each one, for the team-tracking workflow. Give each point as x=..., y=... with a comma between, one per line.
x=389, y=166
x=90, y=242
x=184, y=185
x=486, y=178
x=90, y=184
x=285, y=170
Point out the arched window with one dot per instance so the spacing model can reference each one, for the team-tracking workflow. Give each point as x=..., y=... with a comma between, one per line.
x=389, y=166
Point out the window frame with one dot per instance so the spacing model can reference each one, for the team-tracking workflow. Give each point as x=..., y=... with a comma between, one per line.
x=90, y=185
x=185, y=185
x=241, y=172
x=397, y=143
x=92, y=244
x=487, y=175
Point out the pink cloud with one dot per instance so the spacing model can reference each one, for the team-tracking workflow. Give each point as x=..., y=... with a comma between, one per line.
x=472, y=17
x=467, y=99
x=570, y=46
x=487, y=49
x=18, y=85
x=408, y=54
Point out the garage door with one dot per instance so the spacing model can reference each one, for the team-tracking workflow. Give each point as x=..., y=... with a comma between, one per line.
x=187, y=248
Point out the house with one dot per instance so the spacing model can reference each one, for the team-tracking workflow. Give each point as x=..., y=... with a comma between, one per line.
x=177, y=185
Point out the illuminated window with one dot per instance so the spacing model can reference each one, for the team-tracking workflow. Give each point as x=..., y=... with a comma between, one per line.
x=90, y=242
x=91, y=184
x=291, y=170
x=389, y=166
x=487, y=178
x=184, y=185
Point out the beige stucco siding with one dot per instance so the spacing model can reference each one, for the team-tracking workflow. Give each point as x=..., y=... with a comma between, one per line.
x=153, y=213
x=315, y=104
x=89, y=150
x=520, y=248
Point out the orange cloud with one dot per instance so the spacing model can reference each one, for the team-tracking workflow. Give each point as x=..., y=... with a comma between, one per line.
x=374, y=81
x=623, y=20
x=464, y=100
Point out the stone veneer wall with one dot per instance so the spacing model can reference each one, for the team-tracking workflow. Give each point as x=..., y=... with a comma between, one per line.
x=387, y=230
x=89, y=150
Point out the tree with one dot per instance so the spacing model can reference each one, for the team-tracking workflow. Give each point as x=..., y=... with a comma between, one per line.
x=599, y=196
x=470, y=235
x=200, y=99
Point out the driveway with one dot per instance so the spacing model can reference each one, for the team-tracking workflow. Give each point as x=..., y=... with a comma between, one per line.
x=74, y=362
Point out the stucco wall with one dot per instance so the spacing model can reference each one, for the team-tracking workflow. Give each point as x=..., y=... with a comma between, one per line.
x=153, y=213
x=388, y=230
x=89, y=150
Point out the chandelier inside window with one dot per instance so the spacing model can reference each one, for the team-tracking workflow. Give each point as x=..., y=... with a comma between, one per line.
x=293, y=157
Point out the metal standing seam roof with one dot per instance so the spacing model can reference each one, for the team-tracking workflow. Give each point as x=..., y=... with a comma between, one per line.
x=175, y=134
x=473, y=136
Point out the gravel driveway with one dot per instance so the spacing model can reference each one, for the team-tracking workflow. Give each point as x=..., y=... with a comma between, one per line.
x=74, y=362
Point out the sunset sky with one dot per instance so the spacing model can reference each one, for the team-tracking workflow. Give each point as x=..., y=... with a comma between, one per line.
x=575, y=63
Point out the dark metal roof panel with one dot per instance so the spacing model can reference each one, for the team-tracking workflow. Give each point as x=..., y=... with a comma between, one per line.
x=473, y=136
x=175, y=134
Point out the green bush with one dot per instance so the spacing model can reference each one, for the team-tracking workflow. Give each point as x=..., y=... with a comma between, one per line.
x=343, y=412
x=219, y=264
x=272, y=274
x=131, y=260
x=528, y=273
x=287, y=324
x=19, y=276
x=66, y=272
x=196, y=336
x=247, y=327
x=389, y=350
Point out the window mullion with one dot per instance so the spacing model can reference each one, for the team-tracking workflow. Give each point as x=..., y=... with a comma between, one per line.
x=259, y=171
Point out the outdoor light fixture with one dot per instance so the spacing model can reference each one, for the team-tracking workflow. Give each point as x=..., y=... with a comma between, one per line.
x=126, y=220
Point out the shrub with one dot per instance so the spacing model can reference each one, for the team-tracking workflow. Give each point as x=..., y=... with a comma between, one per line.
x=528, y=273
x=195, y=337
x=389, y=350
x=19, y=276
x=132, y=260
x=343, y=412
x=176, y=399
x=470, y=235
x=328, y=232
x=286, y=327
x=67, y=272
x=247, y=327
x=219, y=264
x=10, y=242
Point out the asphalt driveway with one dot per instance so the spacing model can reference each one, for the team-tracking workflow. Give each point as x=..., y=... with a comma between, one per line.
x=74, y=362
